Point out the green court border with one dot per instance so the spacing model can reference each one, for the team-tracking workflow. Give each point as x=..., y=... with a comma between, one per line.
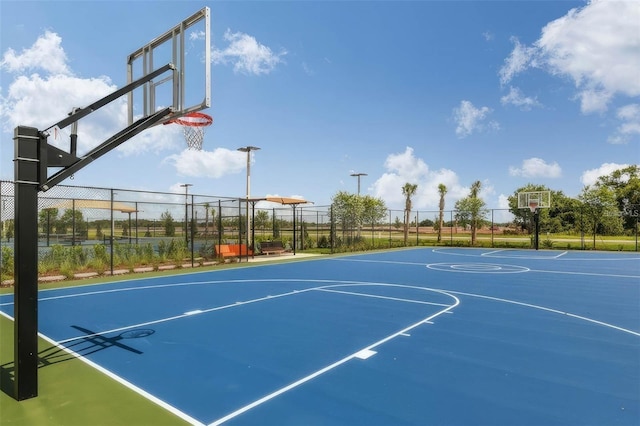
x=73, y=393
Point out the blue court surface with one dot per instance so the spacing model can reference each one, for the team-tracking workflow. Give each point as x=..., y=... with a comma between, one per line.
x=422, y=336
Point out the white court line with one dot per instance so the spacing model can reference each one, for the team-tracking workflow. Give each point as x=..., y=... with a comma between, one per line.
x=622, y=257
x=561, y=254
x=365, y=354
x=543, y=308
x=491, y=252
x=331, y=366
x=120, y=380
x=186, y=314
x=403, y=332
x=594, y=274
x=156, y=286
x=392, y=262
x=375, y=296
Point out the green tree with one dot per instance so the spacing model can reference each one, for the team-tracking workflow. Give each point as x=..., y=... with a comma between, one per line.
x=600, y=211
x=347, y=209
x=352, y=210
x=374, y=210
x=168, y=224
x=442, y=190
x=207, y=206
x=47, y=219
x=471, y=210
x=9, y=225
x=262, y=219
x=99, y=233
x=625, y=184
x=397, y=223
x=74, y=220
x=408, y=190
x=562, y=216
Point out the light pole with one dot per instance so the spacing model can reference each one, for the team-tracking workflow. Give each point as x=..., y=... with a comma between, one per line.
x=186, y=210
x=358, y=176
x=248, y=150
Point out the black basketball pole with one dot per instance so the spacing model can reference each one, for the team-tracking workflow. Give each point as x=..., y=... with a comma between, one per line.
x=32, y=158
x=27, y=150
x=536, y=221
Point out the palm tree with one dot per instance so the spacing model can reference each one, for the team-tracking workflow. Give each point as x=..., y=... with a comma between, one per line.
x=473, y=195
x=442, y=189
x=408, y=190
x=206, y=219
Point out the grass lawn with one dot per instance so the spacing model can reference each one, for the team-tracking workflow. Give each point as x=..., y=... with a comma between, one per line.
x=72, y=393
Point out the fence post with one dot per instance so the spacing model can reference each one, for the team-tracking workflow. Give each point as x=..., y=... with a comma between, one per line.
x=417, y=228
x=192, y=230
x=451, y=227
x=492, y=225
x=113, y=229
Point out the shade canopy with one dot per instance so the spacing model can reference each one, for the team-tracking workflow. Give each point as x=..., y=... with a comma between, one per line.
x=286, y=201
x=94, y=204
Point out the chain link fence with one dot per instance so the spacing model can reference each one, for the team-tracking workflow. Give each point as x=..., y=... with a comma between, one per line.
x=104, y=230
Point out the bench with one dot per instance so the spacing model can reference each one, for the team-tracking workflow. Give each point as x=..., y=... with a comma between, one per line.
x=232, y=250
x=72, y=239
x=240, y=249
x=223, y=250
x=271, y=247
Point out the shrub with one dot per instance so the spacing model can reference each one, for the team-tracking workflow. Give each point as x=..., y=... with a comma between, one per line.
x=7, y=261
x=323, y=242
x=162, y=250
x=100, y=252
x=67, y=269
x=98, y=265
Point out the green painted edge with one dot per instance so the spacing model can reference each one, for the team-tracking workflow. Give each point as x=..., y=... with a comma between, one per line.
x=71, y=392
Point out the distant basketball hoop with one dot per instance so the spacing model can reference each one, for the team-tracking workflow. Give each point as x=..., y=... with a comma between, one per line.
x=534, y=201
x=193, y=127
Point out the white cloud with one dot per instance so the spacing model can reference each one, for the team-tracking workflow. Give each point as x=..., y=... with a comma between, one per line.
x=405, y=167
x=470, y=119
x=52, y=90
x=154, y=139
x=45, y=54
x=247, y=55
x=589, y=177
x=503, y=215
x=211, y=164
x=629, y=115
x=536, y=167
x=197, y=35
x=596, y=46
x=488, y=36
x=518, y=61
x=517, y=98
x=42, y=101
x=503, y=201
x=307, y=69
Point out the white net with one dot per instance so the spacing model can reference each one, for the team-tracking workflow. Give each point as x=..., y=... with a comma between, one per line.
x=193, y=128
x=193, y=136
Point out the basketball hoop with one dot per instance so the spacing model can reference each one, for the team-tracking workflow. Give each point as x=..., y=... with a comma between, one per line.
x=193, y=126
x=533, y=205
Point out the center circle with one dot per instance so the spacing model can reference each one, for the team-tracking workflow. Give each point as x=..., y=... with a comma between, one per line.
x=477, y=268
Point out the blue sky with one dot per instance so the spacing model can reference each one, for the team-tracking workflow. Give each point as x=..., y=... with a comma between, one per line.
x=425, y=92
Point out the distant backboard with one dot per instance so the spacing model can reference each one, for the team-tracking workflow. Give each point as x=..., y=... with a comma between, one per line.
x=188, y=87
x=534, y=200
